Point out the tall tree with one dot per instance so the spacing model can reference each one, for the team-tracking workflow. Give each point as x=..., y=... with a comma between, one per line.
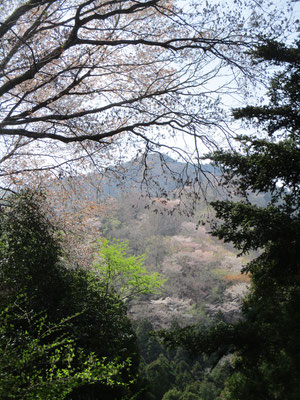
x=80, y=78
x=266, y=339
x=267, y=364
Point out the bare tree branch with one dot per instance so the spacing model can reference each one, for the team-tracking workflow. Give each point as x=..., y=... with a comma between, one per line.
x=78, y=77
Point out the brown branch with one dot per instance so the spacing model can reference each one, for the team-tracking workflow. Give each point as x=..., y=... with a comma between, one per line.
x=22, y=40
x=19, y=12
x=81, y=138
x=30, y=73
x=63, y=117
x=120, y=11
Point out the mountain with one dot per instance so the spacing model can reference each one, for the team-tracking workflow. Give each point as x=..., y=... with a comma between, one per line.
x=154, y=175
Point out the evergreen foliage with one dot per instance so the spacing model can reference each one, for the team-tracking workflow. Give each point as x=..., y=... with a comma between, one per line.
x=266, y=339
x=175, y=375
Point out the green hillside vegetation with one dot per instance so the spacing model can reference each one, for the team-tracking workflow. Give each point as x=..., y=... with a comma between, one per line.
x=200, y=270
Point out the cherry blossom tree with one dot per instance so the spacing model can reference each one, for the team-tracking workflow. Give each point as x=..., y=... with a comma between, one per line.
x=84, y=83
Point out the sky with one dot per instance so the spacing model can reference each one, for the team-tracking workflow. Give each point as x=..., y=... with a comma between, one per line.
x=258, y=92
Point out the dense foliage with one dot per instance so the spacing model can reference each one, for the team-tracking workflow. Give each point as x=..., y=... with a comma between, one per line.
x=174, y=374
x=65, y=310
x=40, y=361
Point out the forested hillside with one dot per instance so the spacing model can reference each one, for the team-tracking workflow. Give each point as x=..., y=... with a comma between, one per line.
x=203, y=275
x=172, y=233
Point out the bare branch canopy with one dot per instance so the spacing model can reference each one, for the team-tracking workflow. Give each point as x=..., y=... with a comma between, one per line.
x=78, y=78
